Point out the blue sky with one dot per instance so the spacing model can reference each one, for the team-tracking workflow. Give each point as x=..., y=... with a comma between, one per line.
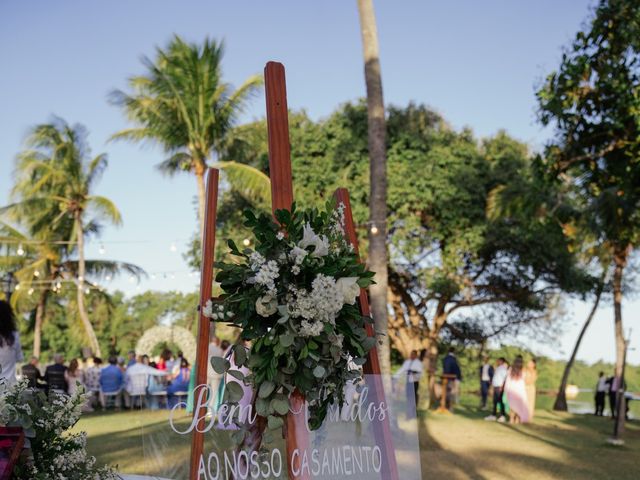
x=477, y=63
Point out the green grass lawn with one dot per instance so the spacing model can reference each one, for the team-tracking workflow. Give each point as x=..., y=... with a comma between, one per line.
x=459, y=446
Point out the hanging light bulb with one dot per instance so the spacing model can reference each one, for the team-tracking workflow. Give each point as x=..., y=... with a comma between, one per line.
x=17, y=287
x=153, y=276
x=30, y=292
x=87, y=290
x=80, y=278
x=374, y=230
x=107, y=278
x=246, y=242
x=102, y=250
x=59, y=285
x=36, y=273
x=20, y=250
x=131, y=279
x=173, y=276
x=173, y=247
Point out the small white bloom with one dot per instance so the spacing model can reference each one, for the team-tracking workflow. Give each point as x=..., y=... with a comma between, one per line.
x=348, y=287
x=295, y=270
x=266, y=305
x=310, y=239
x=207, y=311
x=280, y=236
x=297, y=255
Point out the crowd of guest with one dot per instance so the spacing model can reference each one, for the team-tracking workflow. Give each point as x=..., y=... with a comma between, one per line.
x=136, y=381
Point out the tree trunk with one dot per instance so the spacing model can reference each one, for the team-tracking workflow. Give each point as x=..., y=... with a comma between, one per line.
x=37, y=329
x=200, y=171
x=620, y=262
x=84, y=317
x=378, y=180
x=431, y=366
x=561, y=399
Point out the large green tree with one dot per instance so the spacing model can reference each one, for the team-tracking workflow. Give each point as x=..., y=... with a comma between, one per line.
x=593, y=102
x=452, y=266
x=183, y=104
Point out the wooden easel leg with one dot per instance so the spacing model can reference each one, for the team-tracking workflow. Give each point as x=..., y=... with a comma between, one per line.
x=206, y=284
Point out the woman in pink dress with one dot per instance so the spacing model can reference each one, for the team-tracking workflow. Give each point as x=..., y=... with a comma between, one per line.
x=516, y=392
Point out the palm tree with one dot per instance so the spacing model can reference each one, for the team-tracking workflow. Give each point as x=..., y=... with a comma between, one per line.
x=53, y=190
x=378, y=179
x=183, y=104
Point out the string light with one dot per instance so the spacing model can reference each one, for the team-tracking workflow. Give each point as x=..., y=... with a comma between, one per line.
x=30, y=292
x=102, y=250
x=87, y=290
x=246, y=242
x=173, y=247
x=374, y=230
x=107, y=278
x=153, y=276
x=36, y=273
x=131, y=279
x=17, y=287
x=59, y=285
x=20, y=250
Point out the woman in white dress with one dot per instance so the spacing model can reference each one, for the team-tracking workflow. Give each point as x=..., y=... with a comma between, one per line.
x=10, y=348
x=516, y=391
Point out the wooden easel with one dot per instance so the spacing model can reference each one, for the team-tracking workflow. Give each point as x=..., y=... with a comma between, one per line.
x=282, y=198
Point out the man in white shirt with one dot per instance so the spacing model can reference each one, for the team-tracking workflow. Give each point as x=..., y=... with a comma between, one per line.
x=601, y=393
x=412, y=368
x=499, y=377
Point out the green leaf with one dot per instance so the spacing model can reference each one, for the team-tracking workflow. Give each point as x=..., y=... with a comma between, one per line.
x=220, y=365
x=240, y=354
x=287, y=340
x=236, y=374
x=234, y=391
x=262, y=407
x=266, y=389
x=280, y=406
x=274, y=422
x=319, y=371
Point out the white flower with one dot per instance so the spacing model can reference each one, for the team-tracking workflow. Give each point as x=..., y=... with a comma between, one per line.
x=295, y=269
x=207, y=311
x=280, y=236
x=348, y=287
x=256, y=261
x=310, y=329
x=297, y=255
x=310, y=239
x=266, y=305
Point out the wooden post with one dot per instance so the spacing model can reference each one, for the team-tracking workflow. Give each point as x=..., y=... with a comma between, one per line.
x=382, y=432
x=206, y=283
x=296, y=434
x=443, y=398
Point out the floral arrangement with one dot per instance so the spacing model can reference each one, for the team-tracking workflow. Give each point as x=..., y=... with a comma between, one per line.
x=295, y=298
x=45, y=420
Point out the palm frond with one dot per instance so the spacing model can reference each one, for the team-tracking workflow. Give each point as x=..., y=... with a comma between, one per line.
x=247, y=180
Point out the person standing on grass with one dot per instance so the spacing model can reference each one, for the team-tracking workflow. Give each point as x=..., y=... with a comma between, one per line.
x=497, y=382
x=412, y=368
x=450, y=366
x=486, y=374
x=516, y=392
x=10, y=348
x=601, y=392
x=530, y=379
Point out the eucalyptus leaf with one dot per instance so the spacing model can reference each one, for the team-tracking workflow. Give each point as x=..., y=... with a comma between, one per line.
x=274, y=422
x=220, y=365
x=319, y=371
x=234, y=391
x=287, y=340
x=240, y=355
x=280, y=406
x=266, y=389
x=236, y=374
